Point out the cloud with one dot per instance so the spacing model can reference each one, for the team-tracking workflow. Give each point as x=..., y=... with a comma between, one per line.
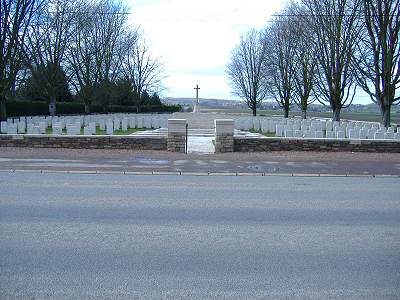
x=195, y=38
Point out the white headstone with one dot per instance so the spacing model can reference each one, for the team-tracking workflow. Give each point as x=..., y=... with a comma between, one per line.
x=139, y=122
x=57, y=129
x=328, y=126
x=12, y=128
x=132, y=122
x=109, y=128
x=289, y=133
x=390, y=130
x=43, y=127
x=256, y=124
x=389, y=135
x=340, y=134
x=354, y=133
x=308, y=134
x=87, y=130
x=379, y=135
x=3, y=127
x=36, y=129
x=330, y=135
x=92, y=127
x=319, y=134
x=264, y=126
x=102, y=124
x=124, y=124
x=298, y=133
x=279, y=130
x=155, y=123
x=117, y=124
x=147, y=122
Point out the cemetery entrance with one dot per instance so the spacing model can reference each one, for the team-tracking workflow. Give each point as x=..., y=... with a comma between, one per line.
x=200, y=132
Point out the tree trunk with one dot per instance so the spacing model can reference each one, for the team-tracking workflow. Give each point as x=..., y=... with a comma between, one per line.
x=286, y=112
x=254, y=111
x=386, y=116
x=304, y=114
x=336, y=115
x=87, y=108
x=3, y=109
x=52, y=106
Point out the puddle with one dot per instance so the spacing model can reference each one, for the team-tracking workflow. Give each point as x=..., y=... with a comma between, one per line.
x=256, y=167
x=149, y=161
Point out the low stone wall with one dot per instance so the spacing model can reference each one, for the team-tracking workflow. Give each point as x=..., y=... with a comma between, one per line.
x=176, y=135
x=224, y=143
x=176, y=142
x=84, y=142
x=224, y=129
x=255, y=144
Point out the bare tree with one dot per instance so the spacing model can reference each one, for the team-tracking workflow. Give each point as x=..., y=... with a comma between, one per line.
x=108, y=34
x=15, y=19
x=304, y=62
x=279, y=60
x=245, y=70
x=94, y=54
x=49, y=36
x=379, y=54
x=82, y=50
x=144, y=71
x=335, y=24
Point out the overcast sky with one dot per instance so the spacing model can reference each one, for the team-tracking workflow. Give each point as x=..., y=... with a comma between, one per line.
x=194, y=39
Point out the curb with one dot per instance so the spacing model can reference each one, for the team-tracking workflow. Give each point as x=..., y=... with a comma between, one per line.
x=181, y=173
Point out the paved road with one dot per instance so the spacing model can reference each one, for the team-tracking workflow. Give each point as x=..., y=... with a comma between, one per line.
x=74, y=236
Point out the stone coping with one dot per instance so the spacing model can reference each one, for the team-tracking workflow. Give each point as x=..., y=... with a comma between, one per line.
x=262, y=144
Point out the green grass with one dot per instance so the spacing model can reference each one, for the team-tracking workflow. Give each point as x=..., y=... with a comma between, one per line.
x=129, y=131
x=268, y=134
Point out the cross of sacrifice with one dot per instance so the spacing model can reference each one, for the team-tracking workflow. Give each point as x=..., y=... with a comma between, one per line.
x=196, y=107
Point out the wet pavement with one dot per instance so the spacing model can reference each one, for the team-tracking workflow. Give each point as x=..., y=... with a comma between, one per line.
x=230, y=163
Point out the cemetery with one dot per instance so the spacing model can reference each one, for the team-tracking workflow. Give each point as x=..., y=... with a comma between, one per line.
x=226, y=132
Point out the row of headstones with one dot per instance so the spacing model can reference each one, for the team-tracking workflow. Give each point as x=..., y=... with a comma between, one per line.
x=267, y=124
x=73, y=125
x=311, y=128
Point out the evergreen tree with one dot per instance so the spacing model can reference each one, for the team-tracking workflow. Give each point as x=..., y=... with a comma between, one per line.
x=37, y=87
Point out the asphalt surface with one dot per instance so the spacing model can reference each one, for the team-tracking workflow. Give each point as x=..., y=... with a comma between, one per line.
x=89, y=160
x=104, y=236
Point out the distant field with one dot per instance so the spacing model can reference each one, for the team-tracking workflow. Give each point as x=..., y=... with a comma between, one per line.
x=359, y=116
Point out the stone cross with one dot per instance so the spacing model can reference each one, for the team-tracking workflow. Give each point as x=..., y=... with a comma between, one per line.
x=196, y=106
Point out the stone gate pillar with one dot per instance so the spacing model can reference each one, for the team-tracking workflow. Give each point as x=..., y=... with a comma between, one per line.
x=224, y=129
x=176, y=135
